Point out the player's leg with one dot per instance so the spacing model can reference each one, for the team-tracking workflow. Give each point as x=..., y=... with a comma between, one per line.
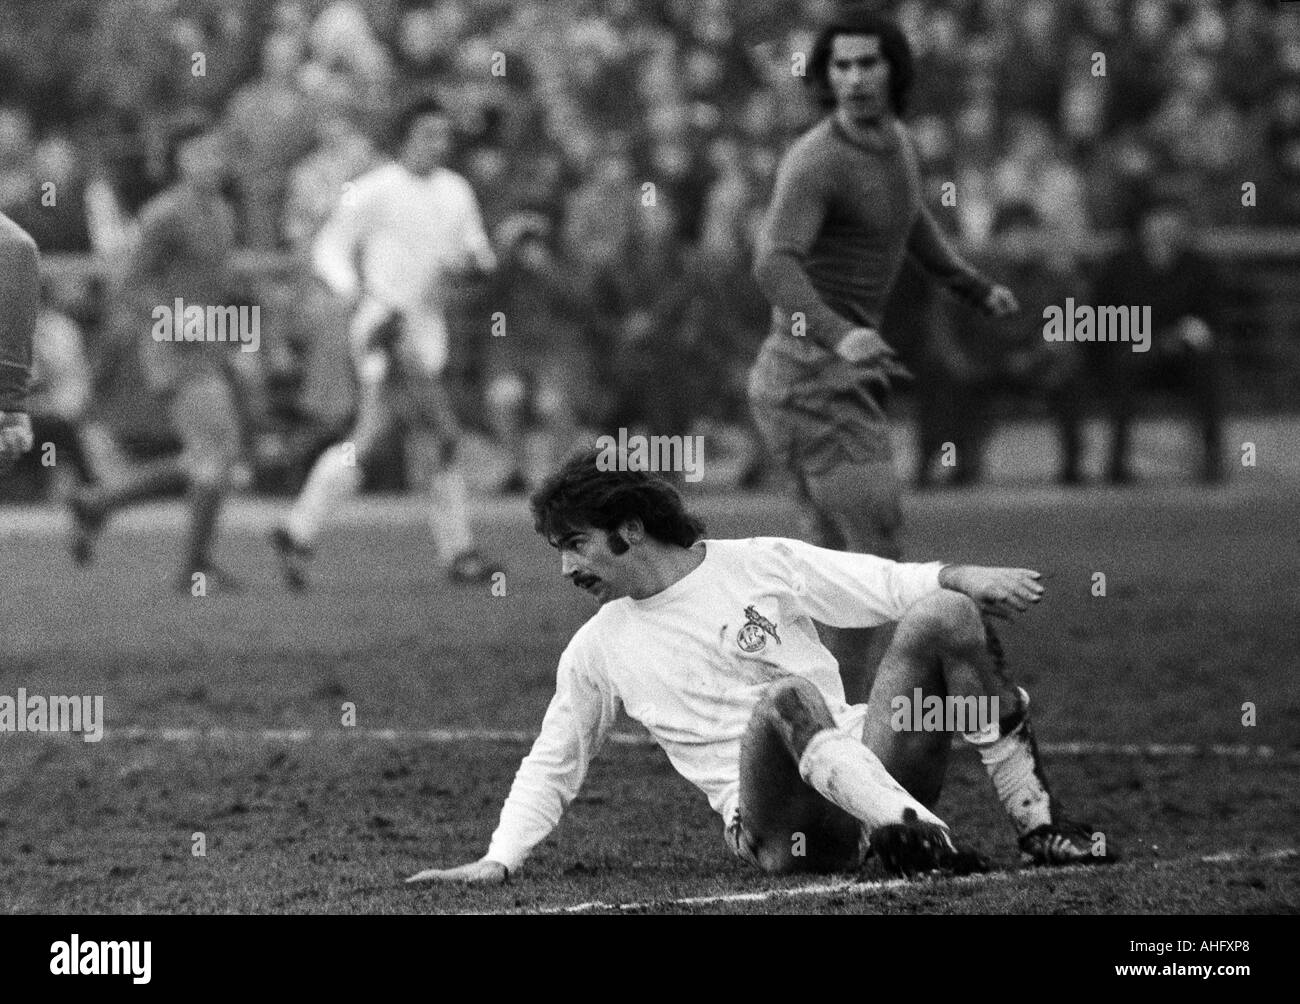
x=779, y=433
x=1119, y=388
x=809, y=792
x=940, y=648
x=973, y=403
x=59, y=437
x=766, y=391
x=1205, y=382
x=861, y=505
x=433, y=437
x=943, y=647
x=204, y=413
x=843, y=506
x=337, y=473
x=859, y=509
x=507, y=397
x=91, y=507
x=785, y=825
x=1065, y=401
x=934, y=422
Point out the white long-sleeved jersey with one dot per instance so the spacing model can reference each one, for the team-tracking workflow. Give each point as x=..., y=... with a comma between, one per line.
x=691, y=662
x=391, y=238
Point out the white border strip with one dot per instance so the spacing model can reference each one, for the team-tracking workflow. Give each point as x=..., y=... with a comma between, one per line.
x=444, y=737
x=870, y=888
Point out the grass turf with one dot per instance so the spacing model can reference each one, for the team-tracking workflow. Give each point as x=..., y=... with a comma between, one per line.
x=1199, y=617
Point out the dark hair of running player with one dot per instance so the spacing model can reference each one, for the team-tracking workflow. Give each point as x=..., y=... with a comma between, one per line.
x=581, y=495
x=893, y=46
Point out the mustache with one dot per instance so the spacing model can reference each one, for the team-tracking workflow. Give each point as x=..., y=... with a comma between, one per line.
x=584, y=581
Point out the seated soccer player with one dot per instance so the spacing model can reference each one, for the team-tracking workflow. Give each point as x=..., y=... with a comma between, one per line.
x=711, y=645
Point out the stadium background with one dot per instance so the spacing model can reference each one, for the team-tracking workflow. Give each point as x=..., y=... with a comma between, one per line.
x=599, y=98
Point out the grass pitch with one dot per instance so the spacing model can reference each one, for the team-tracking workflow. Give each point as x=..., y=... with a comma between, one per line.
x=1198, y=618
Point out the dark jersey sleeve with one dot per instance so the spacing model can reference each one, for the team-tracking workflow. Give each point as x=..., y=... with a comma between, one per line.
x=928, y=246
x=19, y=300
x=792, y=225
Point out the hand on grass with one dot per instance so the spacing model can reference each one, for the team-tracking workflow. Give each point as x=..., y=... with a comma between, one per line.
x=999, y=592
x=484, y=872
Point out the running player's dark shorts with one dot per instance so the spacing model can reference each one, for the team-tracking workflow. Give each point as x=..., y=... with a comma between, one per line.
x=205, y=416
x=819, y=415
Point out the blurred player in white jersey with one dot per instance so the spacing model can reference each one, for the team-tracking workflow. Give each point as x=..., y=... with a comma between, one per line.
x=712, y=646
x=398, y=235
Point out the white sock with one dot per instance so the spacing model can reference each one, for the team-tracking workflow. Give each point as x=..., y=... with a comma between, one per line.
x=1011, y=764
x=841, y=768
x=449, y=513
x=335, y=476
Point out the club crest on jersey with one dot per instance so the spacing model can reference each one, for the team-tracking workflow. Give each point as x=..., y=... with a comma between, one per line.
x=753, y=636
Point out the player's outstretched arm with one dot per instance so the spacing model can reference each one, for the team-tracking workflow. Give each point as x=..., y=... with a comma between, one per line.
x=484, y=871
x=1000, y=592
x=577, y=721
x=928, y=245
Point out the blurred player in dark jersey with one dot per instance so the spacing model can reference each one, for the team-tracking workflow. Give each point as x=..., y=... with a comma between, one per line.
x=395, y=246
x=19, y=295
x=846, y=210
x=183, y=251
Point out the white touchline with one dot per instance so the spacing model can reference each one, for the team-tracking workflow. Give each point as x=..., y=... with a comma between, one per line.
x=450, y=736
x=869, y=888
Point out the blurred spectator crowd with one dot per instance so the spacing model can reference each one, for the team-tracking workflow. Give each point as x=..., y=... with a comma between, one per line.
x=569, y=111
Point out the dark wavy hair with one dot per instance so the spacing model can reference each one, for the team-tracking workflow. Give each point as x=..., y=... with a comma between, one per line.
x=580, y=495
x=893, y=45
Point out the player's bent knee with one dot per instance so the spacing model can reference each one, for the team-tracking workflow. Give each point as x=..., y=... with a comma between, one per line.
x=945, y=619
x=795, y=708
x=794, y=696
